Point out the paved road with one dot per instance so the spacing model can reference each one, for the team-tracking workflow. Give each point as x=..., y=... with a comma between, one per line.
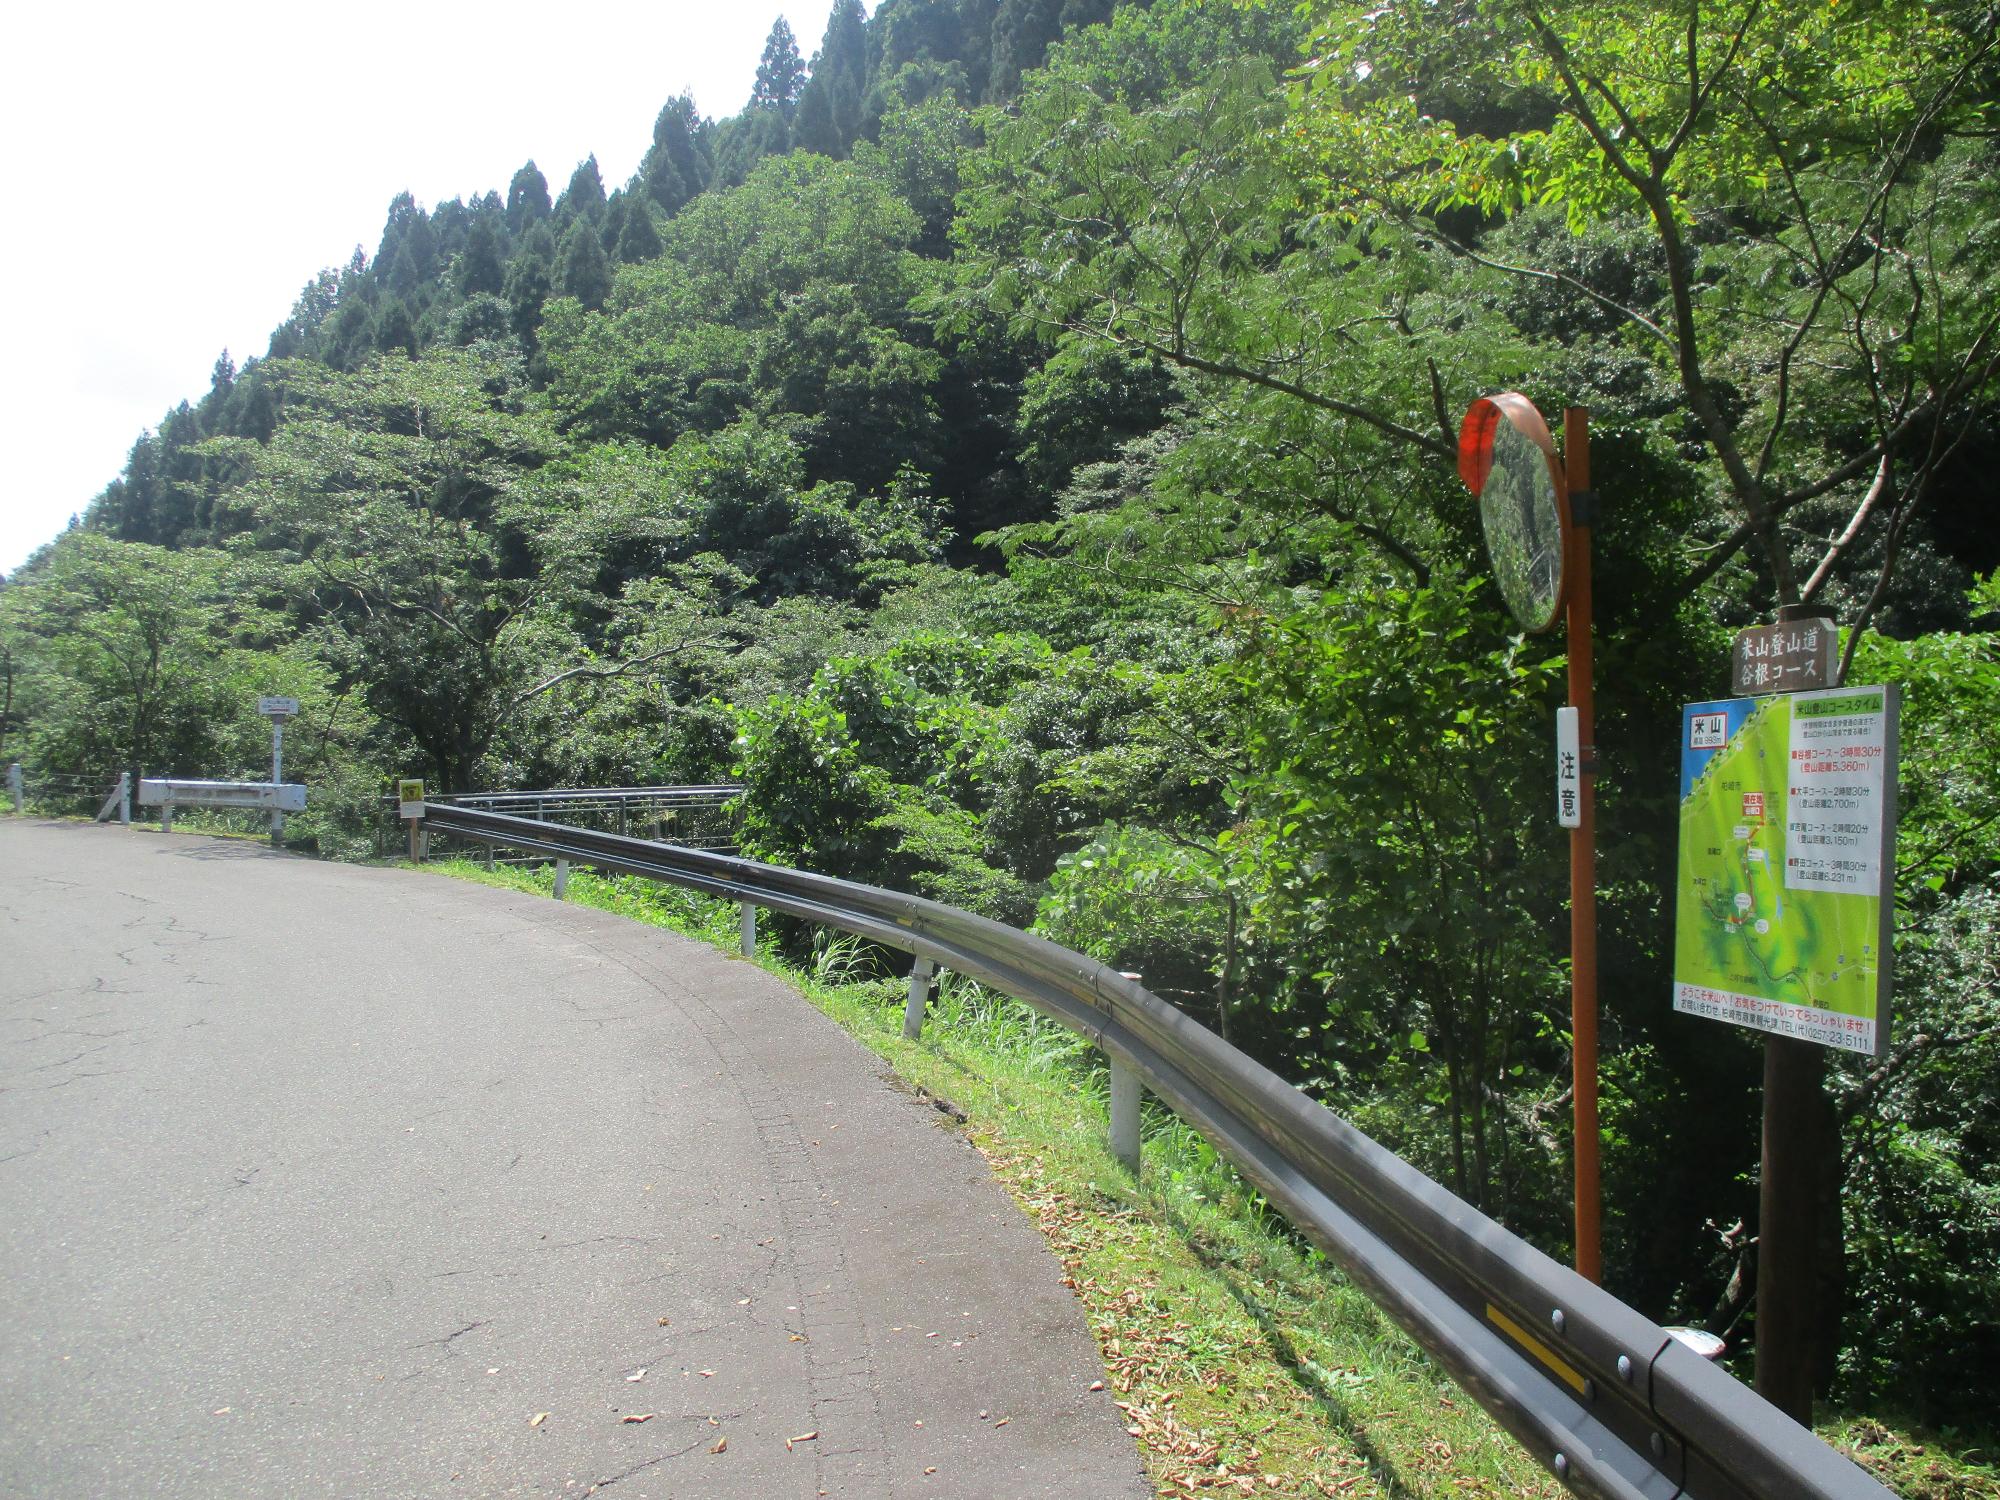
x=321, y=1180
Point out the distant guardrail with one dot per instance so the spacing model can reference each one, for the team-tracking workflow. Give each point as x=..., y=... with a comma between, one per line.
x=1608, y=1400
x=698, y=817
x=275, y=797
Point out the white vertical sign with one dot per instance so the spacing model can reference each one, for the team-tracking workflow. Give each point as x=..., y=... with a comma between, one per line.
x=1569, y=770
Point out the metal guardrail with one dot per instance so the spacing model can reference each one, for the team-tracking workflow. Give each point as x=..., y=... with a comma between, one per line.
x=262, y=796
x=273, y=797
x=693, y=816
x=1604, y=1397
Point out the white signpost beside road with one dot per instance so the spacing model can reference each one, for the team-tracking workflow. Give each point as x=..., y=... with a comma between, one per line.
x=277, y=710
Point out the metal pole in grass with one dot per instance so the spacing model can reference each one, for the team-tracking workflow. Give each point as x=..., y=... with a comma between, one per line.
x=920, y=994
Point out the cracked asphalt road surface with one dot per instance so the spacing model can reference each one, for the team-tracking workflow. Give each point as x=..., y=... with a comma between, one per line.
x=321, y=1180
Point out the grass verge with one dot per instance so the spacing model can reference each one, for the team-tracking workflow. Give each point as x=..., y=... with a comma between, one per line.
x=1243, y=1360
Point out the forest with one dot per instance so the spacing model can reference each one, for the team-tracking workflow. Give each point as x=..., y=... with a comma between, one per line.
x=1018, y=447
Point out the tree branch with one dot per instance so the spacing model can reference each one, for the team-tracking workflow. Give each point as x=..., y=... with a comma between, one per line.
x=1436, y=447
x=1840, y=544
x=622, y=669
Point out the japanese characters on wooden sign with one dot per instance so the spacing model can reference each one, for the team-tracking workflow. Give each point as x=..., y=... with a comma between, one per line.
x=1792, y=656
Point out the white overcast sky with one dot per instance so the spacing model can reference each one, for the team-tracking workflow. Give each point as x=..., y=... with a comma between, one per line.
x=178, y=172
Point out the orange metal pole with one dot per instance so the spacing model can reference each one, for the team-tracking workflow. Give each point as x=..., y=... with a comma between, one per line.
x=1583, y=858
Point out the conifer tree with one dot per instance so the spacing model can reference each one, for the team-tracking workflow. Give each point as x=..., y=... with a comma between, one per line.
x=663, y=183
x=612, y=225
x=127, y=503
x=254, y=412
x=584, y=197
x=1023, y=31
x=531, y=274
x=746, y=140
x=403, y=276
x=840, y=73
x=781, y=73
x=349, y=335
x=394, y=328
x=451, y=222
x=403, y=212
x=586, y=269
x=677, y=166
x=638, y=240
x=419, y=244
x=813, y=128
x=527, y=198
x=975, y=47
x=479, y=267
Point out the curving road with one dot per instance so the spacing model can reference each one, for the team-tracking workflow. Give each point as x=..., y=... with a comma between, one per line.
x=322, y=1180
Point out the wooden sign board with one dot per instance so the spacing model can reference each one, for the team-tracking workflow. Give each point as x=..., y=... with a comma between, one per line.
x=1793, y=656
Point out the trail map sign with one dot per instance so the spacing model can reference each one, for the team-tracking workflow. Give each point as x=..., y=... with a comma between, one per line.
x=1787, y=836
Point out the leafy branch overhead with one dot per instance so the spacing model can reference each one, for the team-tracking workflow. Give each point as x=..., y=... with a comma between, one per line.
x=1822, y=298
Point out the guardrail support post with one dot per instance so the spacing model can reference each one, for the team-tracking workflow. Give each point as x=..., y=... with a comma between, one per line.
x=1125, y=1093
x=749, y=922
x=562, y=880
x=14, y=786
x=167, y=813
x=920, y=994
x=489, y=856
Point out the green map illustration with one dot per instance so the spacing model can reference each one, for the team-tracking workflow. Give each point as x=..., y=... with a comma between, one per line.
x=1737, y=928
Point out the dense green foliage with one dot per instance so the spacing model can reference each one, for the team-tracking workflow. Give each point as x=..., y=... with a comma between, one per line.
x=1017, y=446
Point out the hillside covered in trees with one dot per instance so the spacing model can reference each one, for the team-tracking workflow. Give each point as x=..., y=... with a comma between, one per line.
x=1018, y=446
